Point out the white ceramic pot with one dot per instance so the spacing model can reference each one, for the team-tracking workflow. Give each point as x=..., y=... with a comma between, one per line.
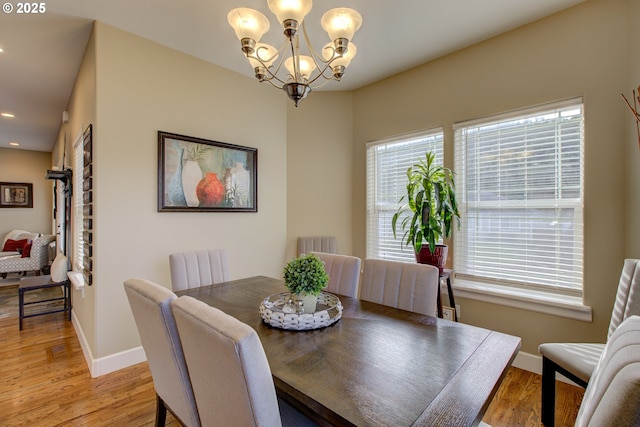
x=191, y=176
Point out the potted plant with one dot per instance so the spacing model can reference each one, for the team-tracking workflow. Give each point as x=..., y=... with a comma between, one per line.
x=305, y=277
x=428, y=212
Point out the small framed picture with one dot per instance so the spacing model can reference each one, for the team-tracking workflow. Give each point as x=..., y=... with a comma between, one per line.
x=448, y=313
x=16, y=195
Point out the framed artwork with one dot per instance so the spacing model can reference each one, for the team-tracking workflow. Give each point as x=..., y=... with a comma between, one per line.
x=16, y=195
x=199, y=175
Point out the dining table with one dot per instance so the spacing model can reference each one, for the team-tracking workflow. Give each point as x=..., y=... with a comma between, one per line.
x=376, y=365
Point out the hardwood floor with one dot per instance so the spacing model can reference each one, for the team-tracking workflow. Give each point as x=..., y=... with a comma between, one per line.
x=44, y=381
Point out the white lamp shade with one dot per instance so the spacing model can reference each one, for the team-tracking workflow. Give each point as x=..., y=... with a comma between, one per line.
x=267, y=53
x=248, y=23
x=306, y=66
x=341, y=22
x=327, y=53
x=290, y=9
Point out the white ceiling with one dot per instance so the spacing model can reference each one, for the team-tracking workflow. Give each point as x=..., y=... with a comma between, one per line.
x=42, y=52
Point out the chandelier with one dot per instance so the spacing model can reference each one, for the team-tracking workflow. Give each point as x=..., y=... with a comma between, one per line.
x=301, y=71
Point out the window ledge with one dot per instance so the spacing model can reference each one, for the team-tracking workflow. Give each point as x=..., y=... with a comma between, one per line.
x=542, y=302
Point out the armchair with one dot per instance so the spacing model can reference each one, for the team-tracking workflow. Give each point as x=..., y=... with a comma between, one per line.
x=37, y=258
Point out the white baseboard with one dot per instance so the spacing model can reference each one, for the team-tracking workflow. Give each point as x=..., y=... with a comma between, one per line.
x=106, y=365
x=533, y=363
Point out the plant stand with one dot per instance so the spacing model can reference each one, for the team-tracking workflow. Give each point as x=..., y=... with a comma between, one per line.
x=446, y=274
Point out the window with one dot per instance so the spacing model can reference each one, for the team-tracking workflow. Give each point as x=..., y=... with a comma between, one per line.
x=387, y=164
x=519, y=183
x=78, y=205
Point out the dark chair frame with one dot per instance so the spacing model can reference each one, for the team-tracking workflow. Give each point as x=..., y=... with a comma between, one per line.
x=549, y=369
x=43, y=282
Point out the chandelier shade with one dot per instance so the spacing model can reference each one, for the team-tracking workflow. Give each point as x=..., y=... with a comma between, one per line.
x=296, y=67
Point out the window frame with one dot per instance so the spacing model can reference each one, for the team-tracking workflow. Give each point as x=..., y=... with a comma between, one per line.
x=387, y=247
x=555, y=300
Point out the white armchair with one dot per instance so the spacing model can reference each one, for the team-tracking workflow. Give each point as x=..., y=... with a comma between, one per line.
x=38, y=257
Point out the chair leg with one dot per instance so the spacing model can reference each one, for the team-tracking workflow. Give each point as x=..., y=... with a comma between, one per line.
x=161, y=412
x=20, y=307
x=548, y=392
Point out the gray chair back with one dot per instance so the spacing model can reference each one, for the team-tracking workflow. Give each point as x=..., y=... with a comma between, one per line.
x=151, y=307
x=628, y=294
x=409, y=286
x=326, y=244
x=343, y=271
x=193, y=269
x=228, y=367
x=612, y=397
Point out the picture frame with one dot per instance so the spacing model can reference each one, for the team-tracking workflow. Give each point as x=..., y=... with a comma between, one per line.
x=201, y=175
x=16, y=195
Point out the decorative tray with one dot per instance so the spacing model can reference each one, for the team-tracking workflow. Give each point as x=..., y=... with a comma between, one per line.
x=277, y=311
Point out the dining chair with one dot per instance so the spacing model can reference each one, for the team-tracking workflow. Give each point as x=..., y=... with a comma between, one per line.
x=404, y=285
x=343, y=271
x=612, y=397
x=326, y=244
x=229, y=370
x=151, y=307
x=577, y=361
x=193, y=269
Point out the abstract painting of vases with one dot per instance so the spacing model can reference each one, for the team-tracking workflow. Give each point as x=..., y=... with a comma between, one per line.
x=205, y=175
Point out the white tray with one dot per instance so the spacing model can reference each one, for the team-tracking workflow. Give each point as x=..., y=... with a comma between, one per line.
x=328, y=311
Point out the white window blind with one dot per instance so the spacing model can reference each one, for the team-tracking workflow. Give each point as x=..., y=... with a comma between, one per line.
x=77, y=219
x=519, y=184
x=387, y=164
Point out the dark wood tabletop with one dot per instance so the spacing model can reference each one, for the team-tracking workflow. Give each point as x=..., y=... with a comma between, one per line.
x=377, y=365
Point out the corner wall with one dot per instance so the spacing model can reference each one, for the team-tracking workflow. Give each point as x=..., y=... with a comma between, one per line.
x=319, y=169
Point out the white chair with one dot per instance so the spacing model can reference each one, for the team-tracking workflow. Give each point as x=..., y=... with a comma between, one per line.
x=343, y=271
x=151, y=307
x=229, y=370
x=326, y=244
x=577, y=361
x=612, y=397
x=193, y=269
x=404, y=285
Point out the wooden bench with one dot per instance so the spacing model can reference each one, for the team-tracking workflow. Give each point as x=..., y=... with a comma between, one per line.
x=43, y=282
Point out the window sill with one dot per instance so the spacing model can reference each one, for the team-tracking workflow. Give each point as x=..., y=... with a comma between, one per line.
x=541, y=302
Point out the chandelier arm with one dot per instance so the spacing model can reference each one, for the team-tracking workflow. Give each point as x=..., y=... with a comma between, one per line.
x=314, y=54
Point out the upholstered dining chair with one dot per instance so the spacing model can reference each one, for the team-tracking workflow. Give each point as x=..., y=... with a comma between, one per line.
x=151, y=307
x=229, y=370
x=408, y=286
x=193, y=269
x=326, y=244
x=343, y=271
x=577, y=361
x=612, y=397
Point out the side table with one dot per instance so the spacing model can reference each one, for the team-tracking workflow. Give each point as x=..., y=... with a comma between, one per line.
x=446, y=274
x=43, y=282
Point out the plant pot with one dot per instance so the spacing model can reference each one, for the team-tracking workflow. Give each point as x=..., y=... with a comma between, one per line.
x=438, y=258
x=309, y=302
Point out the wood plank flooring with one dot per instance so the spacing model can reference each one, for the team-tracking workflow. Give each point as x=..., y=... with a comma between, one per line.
x=44, y=381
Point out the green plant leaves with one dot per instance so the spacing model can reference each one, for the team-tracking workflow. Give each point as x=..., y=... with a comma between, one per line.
x=305, y=274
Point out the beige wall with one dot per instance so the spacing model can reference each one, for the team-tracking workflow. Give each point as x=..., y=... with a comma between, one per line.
x=579, y=52
x=632, y=236
x=29, y=167
x=319, y=175
x=138, y=88
x=82, y=112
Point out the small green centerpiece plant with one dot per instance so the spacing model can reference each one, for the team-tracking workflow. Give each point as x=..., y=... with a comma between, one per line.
x=305, y=277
